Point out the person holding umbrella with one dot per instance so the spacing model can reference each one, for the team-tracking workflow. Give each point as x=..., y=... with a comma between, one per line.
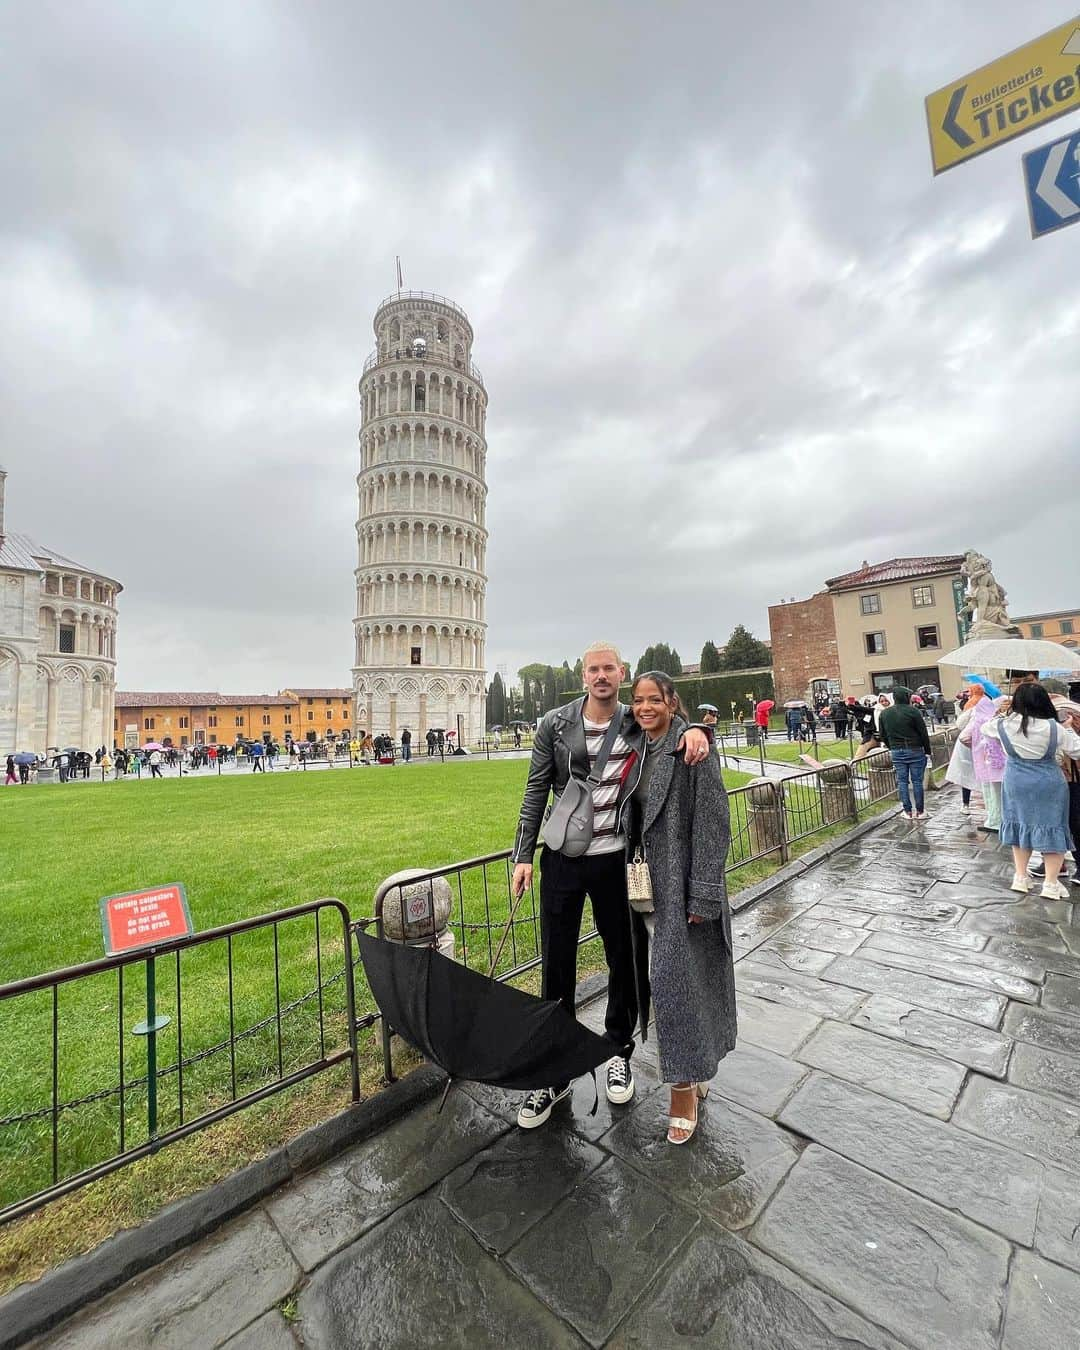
x=761, y=716
x=680, y=823
x=588, y=754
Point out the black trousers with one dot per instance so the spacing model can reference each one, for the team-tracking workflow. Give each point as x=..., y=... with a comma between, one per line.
x=564, y=884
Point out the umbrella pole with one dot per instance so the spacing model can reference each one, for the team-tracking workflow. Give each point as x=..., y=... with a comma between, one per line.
x=506, y=934
x=446, y=1093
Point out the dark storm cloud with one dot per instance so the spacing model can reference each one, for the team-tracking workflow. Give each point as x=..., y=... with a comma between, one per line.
x=735, y=336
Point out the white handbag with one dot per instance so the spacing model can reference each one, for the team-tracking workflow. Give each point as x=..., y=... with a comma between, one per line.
x=639, y=889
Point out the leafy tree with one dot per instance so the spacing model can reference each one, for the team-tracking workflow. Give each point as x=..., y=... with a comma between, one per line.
x=744, y=651
x=710, y=659
x=675, y=666
x=496, y=702
x=550, y=689
x=535, y=672
x=579, y=674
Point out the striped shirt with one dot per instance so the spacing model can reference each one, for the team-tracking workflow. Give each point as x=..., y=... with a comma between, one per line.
x=605, y=794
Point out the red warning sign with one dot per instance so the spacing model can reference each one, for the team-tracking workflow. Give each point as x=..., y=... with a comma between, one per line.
x=144, y=918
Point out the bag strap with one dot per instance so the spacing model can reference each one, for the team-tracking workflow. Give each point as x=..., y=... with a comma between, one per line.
x=606, y=746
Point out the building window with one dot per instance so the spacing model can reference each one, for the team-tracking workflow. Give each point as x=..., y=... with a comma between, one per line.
x=310, y=701
x=927, y=636
x=148, y=724
x=213, y=740
x=311, y=715
x=240, y=721
x=183, y=722
x=344, y=714
x=1036, y=631
x=288, y=719
x=329, y=701
x=67, y=637
x=870, y=604
x=922, y=596
x=414, y=656
x=266, y=719
x=1066, y=625
x=183, y=740
x=329, y=711
x=52, y=584
x=211, y=721
x=875, y=643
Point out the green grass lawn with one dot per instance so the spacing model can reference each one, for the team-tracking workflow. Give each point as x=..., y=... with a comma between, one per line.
x=788, y=752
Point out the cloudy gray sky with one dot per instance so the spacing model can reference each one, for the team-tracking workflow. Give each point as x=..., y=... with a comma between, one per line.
x=736, y=337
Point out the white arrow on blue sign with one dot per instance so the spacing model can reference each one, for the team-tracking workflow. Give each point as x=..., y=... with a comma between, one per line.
x=1052, y=179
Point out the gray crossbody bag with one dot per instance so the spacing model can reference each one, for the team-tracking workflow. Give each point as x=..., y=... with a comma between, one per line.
x=569, y=827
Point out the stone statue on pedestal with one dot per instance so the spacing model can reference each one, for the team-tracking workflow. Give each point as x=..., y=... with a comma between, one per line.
x=986, y=603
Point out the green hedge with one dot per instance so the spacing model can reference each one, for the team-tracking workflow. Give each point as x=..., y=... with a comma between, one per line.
x=723, y=690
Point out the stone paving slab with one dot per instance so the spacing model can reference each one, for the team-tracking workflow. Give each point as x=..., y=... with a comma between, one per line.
x=1053, y=1031
x=1043, y=1070
x=1044, y=1306
x=977, y=1047
x=737, y=1161
x=901, y=1072
x=936, y=933
x=795, y=991
x=928, y=1276
x=925, y=991
x=271, y=1332
x=421, y=1279
x=200, y=1297
x=338, y=1203
x=720, y=1291
x=501, y=1193
x=757, y=1079
x=594, y=1255
x=1042, y=1127
x=772, y=1026
x=953, y=967
x=933, y=948
x=988, y=1184
x=1057, y=1233
x=823, y=935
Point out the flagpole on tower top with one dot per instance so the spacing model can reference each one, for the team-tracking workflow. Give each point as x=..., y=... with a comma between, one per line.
x=400, y=282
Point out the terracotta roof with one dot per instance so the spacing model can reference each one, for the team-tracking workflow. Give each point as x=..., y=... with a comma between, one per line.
x=319, y=693
x=897, y=569
x=200, y=699
x=1052, y=614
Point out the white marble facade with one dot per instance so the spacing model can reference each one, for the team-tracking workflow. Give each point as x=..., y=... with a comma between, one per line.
x=420, y=626
x=57, y=648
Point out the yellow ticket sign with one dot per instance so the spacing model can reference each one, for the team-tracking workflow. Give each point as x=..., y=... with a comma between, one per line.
x=1016, y=93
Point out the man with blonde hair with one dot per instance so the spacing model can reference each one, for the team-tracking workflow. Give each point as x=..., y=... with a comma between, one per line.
x=595, y=740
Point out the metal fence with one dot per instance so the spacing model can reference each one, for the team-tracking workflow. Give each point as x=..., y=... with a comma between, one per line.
x=266, y=1027
x=288, y=1005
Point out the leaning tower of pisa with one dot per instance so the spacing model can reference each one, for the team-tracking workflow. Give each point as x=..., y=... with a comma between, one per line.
x=422, y=543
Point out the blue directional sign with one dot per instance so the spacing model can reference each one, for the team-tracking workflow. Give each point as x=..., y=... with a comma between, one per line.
x=1052, y=177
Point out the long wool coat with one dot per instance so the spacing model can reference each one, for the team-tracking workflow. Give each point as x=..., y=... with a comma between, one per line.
x=689, y=974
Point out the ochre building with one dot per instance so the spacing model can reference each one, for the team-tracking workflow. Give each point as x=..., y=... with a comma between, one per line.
x=1061, y=625
x=882, y=625
x=210, y=718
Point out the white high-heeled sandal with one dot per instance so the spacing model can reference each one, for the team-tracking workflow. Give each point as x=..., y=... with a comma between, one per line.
x=701, y=1091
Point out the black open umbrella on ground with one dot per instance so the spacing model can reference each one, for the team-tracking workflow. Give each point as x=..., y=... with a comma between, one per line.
x=474, y=1027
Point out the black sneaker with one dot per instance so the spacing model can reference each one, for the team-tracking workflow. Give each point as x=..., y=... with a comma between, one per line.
x=536, y=1107
x=620, y=1081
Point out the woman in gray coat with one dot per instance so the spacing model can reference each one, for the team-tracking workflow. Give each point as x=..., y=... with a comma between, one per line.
x=679, y=813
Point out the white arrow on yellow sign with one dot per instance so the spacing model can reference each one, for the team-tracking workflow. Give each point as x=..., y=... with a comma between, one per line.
x=1015, y=94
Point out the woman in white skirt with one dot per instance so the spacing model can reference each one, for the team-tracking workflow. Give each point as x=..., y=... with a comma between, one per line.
x=961, y=770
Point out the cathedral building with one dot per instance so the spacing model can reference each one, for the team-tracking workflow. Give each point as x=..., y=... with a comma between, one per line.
x=57, y=648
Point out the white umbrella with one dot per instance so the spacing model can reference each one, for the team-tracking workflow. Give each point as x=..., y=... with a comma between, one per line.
x=1013, y=654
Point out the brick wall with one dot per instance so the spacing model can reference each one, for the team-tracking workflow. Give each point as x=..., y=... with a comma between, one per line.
x=803, y=635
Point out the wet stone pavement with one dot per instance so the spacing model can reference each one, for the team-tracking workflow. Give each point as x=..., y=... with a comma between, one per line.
x=891, y=1157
